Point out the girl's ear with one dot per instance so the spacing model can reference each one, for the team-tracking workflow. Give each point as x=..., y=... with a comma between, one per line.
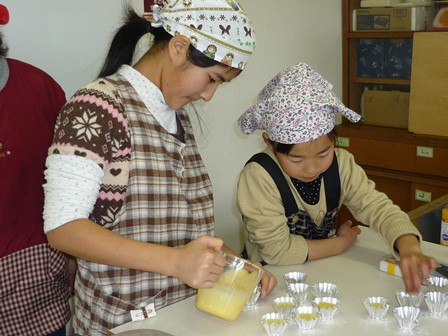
x=178, y=49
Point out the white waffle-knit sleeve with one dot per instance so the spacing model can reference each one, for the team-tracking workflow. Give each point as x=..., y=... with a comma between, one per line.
x=71, y=189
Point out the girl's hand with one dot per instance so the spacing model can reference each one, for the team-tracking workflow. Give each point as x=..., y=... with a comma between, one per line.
x=199, y=264
x=347, y=235
x=268, y=281
x=415, y=266
x=323, y=248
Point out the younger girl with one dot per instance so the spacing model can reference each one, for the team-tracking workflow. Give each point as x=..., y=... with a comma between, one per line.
x=291, y=193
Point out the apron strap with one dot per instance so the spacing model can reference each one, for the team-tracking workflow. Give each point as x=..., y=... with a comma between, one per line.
x=331, y=178
x=332, y=185
x=273, y=169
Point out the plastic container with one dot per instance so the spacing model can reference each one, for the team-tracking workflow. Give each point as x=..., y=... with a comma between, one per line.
x=232, y=291
x=444, y=227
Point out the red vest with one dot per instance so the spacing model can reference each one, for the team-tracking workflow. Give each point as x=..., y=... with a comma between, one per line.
x=29, y=104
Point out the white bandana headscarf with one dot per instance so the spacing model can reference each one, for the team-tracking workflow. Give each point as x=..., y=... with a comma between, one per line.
x=296, y=106
x=219, y=29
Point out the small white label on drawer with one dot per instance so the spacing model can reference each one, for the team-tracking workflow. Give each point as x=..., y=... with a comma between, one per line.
x=424, y=196
x=342, y=142
x=426, y=152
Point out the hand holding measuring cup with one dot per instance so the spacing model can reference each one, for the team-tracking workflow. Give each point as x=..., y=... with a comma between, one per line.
x=230, y=294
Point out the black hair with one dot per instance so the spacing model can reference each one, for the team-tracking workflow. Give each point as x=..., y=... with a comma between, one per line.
x=286, y=148
x=3, y=47
x=127, y=36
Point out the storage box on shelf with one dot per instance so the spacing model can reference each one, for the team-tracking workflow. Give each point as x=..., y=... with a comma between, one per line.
x=386, y=108
x=412, y=169
x=440, y=20
x=390, y=19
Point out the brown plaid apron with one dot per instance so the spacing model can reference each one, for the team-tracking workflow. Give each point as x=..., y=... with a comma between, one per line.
x=168, y=201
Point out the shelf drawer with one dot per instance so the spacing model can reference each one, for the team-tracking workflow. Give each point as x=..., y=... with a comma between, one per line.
x=437, y=165
x=422, y=193
x=400, y=156
x=408, y=192
x=383, y=154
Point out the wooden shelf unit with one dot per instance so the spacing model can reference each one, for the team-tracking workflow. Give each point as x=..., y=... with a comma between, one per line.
x=388, y=155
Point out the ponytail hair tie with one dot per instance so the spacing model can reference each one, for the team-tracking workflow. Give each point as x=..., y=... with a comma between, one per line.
x=156, y=21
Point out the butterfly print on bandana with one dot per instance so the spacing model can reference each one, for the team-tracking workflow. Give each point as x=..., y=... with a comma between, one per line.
x=199, y=27
x=225, y=30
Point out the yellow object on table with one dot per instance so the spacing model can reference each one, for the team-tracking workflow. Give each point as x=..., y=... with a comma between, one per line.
x=444, y=228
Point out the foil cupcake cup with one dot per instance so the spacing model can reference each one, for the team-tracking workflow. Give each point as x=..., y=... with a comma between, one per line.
x=437, y=303
x=299, y=291
x=376, y=307
x=305, y=317
x=437, y=284
x=409, y=299
x=274, y=324
x=284, y=305
x=324, y=289
x=327, y=307
x=294, y=277
x=407, y=317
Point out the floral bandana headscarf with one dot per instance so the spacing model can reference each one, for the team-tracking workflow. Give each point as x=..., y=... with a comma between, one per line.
x=219, y=29
x=296, y=106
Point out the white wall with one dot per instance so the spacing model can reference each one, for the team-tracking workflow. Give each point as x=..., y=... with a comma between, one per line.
x=66, y=38
x=69, y=39
x=288, y=31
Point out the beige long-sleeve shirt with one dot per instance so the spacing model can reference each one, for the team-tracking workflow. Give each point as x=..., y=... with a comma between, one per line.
x=267, y=235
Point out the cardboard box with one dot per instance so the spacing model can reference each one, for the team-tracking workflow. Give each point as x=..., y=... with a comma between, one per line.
x=390, y=19
x=386, y=108
x=428, y=112
x=395, y=3
x=391, y=265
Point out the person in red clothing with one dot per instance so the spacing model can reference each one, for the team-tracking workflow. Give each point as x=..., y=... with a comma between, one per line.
x=34, y=280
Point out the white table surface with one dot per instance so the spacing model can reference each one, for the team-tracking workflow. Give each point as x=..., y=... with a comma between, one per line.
x=357, y=276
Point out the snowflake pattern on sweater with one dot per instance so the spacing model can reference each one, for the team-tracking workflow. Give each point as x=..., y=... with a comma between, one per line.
x=99, y=132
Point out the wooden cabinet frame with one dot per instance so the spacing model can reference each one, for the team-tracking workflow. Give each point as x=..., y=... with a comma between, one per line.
x=388, y=154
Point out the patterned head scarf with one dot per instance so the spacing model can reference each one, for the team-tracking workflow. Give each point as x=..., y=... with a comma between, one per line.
x=219, y=29
x=296, y=106
x=4, y=15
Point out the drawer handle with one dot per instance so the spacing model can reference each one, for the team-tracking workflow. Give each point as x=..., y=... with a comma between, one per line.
x=426, y=152
x=424, y=196
x=342, y=142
